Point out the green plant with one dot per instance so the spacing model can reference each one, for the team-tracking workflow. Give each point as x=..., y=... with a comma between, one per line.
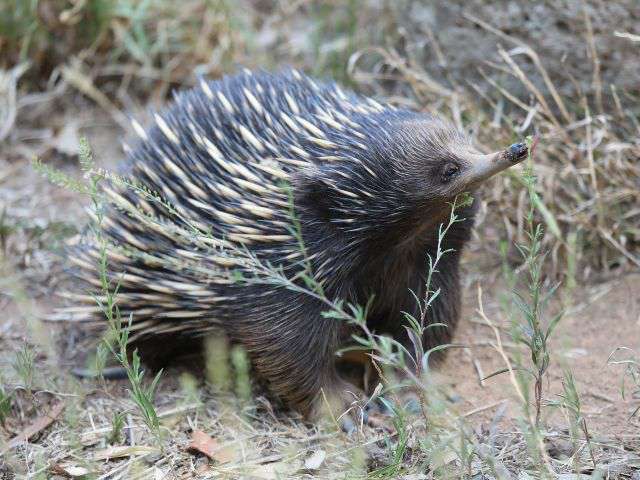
x=534, y=332
x=5, y=404
x=242, y=367
x=99, y=360
x=23, y=365
x=631, y=372
x=117, y=424
x=217, y=369
x=570, y=403
x=397, y=449
x=529, y=326
x=189, y=388
x=116, y=339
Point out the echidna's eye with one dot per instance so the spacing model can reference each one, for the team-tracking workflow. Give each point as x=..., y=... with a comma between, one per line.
x=450, y=170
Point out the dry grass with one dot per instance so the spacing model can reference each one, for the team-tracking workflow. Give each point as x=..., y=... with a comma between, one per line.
x=81, y=67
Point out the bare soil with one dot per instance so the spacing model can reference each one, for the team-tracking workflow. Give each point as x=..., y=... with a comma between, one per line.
x=601, y=319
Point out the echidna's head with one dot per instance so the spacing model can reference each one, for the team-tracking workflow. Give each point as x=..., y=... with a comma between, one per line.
x=408, y=170
x=434, y=162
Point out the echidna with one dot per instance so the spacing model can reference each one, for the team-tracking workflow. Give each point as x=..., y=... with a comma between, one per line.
x=233, y=169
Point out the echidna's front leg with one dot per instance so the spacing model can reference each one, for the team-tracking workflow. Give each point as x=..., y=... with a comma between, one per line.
x=292, y=348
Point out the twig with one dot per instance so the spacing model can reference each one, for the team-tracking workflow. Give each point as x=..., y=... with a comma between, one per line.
x=479, y=371
x=484, y=408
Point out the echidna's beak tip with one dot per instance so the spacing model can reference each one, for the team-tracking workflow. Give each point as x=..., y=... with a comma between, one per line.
x=486, y=166
x=517, y=152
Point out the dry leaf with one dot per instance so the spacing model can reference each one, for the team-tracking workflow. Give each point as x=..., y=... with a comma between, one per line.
x=203, y=443
x=314, y=461
x=123, y=451
x=69, y=470
x=36, y=427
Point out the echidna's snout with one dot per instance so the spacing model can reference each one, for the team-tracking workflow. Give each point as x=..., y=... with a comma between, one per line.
x=483, y=167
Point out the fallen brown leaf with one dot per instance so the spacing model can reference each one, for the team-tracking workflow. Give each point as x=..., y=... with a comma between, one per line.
x=203, y=443
x=210, y=447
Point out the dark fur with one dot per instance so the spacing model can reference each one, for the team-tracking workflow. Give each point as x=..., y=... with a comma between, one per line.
x=372, y=244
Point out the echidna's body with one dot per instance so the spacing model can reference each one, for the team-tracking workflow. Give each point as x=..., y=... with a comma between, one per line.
x=370, y=185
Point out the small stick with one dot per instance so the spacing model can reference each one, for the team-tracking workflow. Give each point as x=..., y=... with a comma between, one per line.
x=479, y=371
x=484, y=408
